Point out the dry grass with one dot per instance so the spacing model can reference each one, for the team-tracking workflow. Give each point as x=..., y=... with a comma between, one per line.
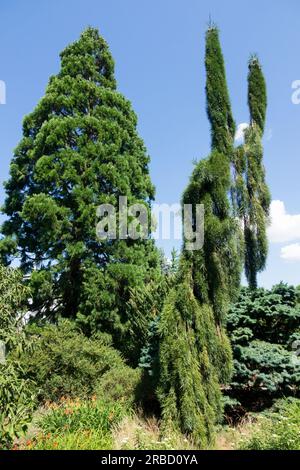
x=229, y=438
x=136, y=432
x=139, y=433
x=125, y=434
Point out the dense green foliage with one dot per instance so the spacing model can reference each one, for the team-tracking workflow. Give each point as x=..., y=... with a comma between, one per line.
x=16, y=399
x=17, y=403
x=119, y=384
x=257, y=94
x=89, y=439
x=80, y=149
x=217, y=266
x=264, y=329
x=143, y=309
x=64, y=362
x=218, y=102
x=13, y=297
x=190, y=352
x=252, y=193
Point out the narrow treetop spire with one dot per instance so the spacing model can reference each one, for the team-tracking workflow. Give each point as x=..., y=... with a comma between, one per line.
x=257, y=94
x=217, y=96
x=211, y=25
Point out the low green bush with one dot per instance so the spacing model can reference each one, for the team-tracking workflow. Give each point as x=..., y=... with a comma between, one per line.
x=263, y=327
x=119, y=384
x=277, y=430
x=64, y=362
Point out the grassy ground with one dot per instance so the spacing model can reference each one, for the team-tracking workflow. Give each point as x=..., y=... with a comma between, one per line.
x=54, y=429
x=95, y=425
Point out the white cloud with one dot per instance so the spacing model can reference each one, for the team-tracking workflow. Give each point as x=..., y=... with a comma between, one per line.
x=291, y=252
x=239, y=135
x=284, y=227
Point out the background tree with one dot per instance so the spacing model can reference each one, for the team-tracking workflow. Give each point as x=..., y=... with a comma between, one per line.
x=80, y=148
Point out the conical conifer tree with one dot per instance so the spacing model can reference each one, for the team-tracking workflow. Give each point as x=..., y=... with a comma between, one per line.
x=80, y=149
x=195, y=355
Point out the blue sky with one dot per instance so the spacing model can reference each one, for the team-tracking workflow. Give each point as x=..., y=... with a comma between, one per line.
x=158, y=48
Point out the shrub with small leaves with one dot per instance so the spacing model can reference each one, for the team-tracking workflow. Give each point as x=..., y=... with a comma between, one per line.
x=263, y=327
x=65, y=362
x=16, y=399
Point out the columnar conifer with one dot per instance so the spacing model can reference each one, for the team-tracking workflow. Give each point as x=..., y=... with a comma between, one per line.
x=218, y=101
x=252, y=195
x=258, y=200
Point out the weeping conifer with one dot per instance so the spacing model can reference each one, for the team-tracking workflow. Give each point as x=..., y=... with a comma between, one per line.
x=251, y=188
x=195, y=355
x=222, y=247
x=189, y=388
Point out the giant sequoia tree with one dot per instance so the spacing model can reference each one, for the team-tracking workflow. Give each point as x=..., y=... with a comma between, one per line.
x=80, y=148
x=195, y=356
